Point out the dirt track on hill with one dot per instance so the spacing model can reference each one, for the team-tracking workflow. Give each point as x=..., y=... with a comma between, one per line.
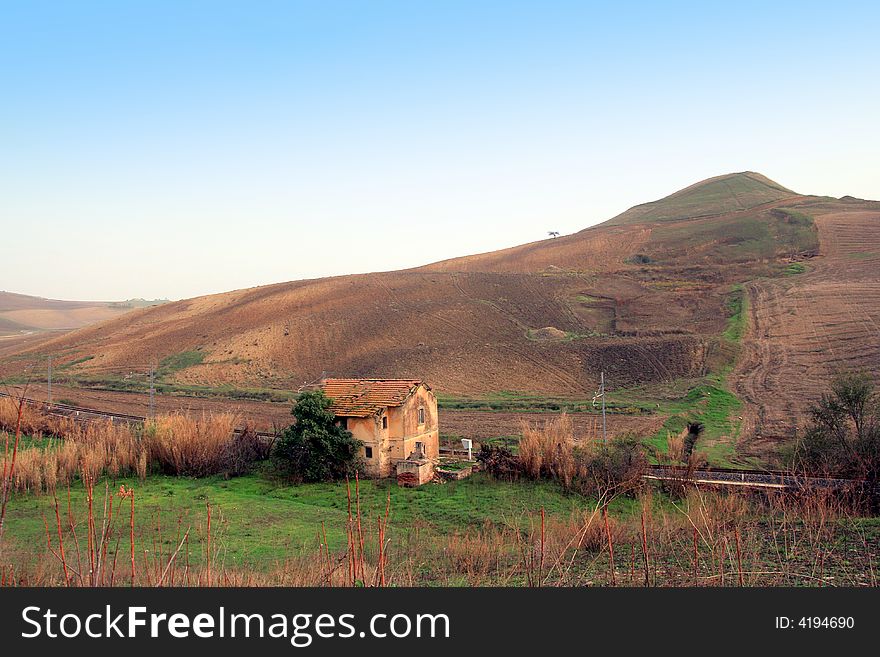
x=805, y=328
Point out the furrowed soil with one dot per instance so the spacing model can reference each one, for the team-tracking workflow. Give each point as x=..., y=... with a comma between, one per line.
x=650, y=298
x=805, y=328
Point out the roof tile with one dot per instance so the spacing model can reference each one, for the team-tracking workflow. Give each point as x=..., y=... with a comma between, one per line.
x=366, y=397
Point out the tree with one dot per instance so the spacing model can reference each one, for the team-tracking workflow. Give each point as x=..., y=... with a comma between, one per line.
x=843, y=437
x=316, y=447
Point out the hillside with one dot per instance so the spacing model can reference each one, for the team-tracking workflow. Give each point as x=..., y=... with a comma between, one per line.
x=734, y=192
x=23, y=313
x=645, y=297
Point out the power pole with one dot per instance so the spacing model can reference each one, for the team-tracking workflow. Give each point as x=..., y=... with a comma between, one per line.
x=49, y=381
x=604, y=429
x=152, y=393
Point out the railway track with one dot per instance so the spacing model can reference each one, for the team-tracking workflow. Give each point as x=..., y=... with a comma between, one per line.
x=84, y=414
x=728, y=477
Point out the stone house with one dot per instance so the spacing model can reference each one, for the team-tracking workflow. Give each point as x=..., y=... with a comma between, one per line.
x=396, y=419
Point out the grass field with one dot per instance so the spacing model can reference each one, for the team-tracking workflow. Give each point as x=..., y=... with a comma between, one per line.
x=260, y=522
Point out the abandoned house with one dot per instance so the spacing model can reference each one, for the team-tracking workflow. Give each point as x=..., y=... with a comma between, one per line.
x=396, y=419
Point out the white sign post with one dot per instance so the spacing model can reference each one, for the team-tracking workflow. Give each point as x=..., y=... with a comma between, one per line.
x=468, y=444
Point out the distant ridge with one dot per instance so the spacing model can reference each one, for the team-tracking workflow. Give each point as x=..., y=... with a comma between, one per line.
x=21, y=313
x=727, y=193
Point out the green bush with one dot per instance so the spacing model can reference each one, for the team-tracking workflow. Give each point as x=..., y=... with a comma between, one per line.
x=315, y=447
x=611, y=470
x=843, y=437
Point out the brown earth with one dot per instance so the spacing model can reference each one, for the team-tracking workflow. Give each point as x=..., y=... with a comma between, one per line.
x=21, y=314
x=643, y=297
x=806, y=328
x=269, y=416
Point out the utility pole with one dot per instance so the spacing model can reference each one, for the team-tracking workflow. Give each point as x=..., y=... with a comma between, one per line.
x=49, y=383
x=152, y=393
x=604, y=429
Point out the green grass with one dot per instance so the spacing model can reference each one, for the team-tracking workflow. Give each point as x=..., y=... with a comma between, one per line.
x=119, y=384
x=73, y=363
x=25, y=441
x=725, y=194
x=794, y=217
x=794, y=269
x=176, y=362
x=523, y=402
x=709, y=401
x=259, y=521
x=737, y=314
x=862, y=255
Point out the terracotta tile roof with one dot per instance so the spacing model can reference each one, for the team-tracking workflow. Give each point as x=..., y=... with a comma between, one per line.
x=366, y=397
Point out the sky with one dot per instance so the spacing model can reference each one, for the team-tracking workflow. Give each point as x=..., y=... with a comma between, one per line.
x=167, y=149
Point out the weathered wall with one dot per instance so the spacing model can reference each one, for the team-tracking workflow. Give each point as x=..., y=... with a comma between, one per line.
x=399, y=440
x=369, y=430
x=405, y=430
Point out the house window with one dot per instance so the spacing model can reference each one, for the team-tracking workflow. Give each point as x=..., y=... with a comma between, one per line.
x=421, y=414
x=384, y=421
x=368, y=452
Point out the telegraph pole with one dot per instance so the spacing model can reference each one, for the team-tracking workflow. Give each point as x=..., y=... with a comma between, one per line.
x=604, y=429
x=49, y=383
x=152, y=392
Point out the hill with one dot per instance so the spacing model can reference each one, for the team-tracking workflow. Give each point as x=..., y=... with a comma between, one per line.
x=733, y=192
x=669, y=291
x=22, y=313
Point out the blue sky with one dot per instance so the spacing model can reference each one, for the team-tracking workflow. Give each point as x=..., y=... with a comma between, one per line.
x=170, y=149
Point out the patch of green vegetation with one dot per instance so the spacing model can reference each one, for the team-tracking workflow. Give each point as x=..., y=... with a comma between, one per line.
x=564, y=336
x=260, y=522
x=744, y=238
x=25, y=441
x=707, y=400
x=120, y=384
x=723, y=194
x=862, y=255
x=711, y=404
x=519, y=402
x=507, y=442
x=794, y=217
x=76, y=362
x=794, y=269
x=454, y=465
x=737, y=313
x=176, y=362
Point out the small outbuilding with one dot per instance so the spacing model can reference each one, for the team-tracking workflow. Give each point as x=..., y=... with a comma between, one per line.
x=396, y=419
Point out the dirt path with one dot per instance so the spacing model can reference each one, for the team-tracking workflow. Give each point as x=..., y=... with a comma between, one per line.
x=805, y=328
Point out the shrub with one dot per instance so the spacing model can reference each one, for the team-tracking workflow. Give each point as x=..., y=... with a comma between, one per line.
x=315, y=447
x=607, y=471
x=843, y=437
x=500, y=462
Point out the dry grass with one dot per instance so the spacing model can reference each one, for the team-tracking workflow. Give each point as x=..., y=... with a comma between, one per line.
x=86, y=450
x=548, y=451
x=175, y=444
x=183, y=445
x=32, y=421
